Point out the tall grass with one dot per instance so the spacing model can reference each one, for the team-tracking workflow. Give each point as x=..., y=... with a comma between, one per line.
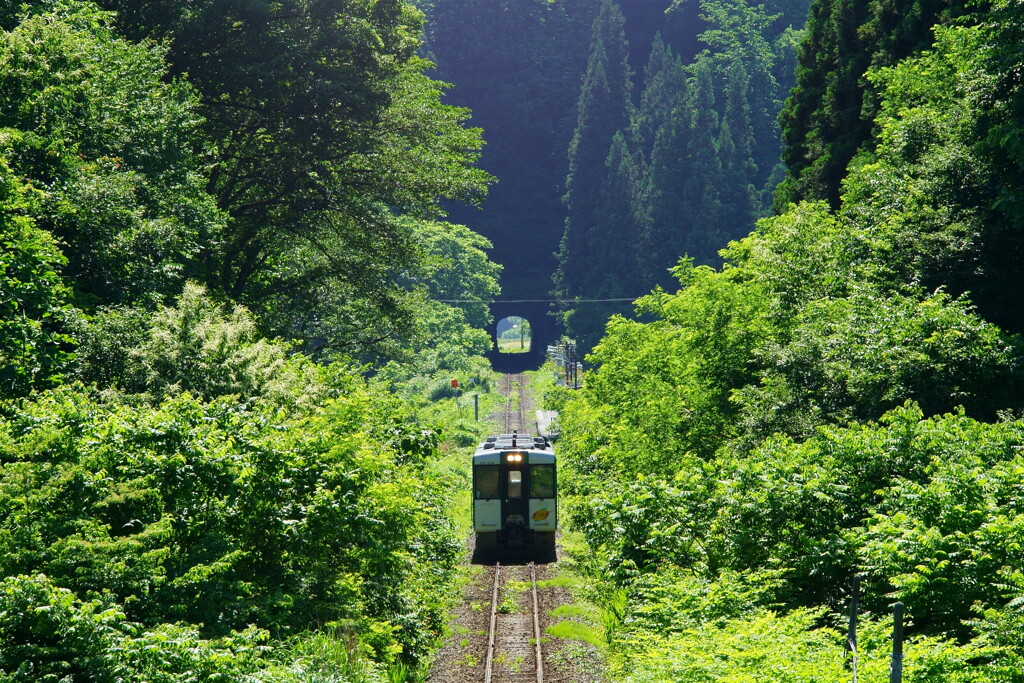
x=322, y=658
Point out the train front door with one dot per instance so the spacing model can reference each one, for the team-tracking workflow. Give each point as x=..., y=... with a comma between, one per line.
x=514, y=500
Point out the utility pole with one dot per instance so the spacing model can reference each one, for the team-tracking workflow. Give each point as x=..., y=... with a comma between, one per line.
x=851, y=637
x=896, y=667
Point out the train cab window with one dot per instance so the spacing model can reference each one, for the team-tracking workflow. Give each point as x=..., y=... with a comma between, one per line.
x=542, y=481
x=486, y=481
x=515, y=484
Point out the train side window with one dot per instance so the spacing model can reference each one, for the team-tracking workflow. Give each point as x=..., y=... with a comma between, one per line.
x=542, y=481
x=486, y=481
x=515, y=484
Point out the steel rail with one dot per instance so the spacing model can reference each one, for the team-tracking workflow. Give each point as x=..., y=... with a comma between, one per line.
x=522, y=406
x=488, y=669
x=506, y=390
x=536, y=623
x=520, y=413
x=492, y=634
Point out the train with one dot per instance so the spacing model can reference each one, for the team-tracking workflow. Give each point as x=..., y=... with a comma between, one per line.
x=515, y=494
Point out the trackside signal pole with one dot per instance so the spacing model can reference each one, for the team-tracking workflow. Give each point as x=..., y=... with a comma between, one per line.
x=571, y=364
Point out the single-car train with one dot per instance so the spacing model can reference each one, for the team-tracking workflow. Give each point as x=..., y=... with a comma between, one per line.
x=515, y=494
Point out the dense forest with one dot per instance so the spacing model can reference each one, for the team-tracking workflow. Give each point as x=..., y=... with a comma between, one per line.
x=840, y=398
x=221, y=352
x=227, y=232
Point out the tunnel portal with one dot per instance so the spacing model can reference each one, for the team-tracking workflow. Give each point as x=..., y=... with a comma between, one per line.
x=544, y=331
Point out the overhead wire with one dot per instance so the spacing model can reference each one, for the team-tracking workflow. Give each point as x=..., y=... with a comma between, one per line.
x=534, y=301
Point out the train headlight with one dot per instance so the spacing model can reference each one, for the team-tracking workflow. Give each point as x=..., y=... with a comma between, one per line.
x=514, y=457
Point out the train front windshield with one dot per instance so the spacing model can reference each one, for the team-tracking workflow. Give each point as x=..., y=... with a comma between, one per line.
x=486, y=481
x=542, y=481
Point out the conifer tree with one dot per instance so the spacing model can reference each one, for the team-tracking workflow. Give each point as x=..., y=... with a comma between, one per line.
x=662, y=206
x=603, y=110
x=735, y=148
x=739, y=33
x=615, y=236
x=701, y=236
x=821, y=119
x=664, y=84
x=614, y=268
x=829, y=114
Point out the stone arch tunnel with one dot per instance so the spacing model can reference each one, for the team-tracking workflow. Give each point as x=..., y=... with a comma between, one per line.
x=543, y=327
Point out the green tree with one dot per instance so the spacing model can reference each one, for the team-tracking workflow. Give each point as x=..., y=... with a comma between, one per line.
x=662, y=129
x=110, y=149
x=322, y=126
x=828, y=117
x=216, y=516
x=736, y=149
x=617, y=266
x=739, y=32
x=708, y=133
x=336, y=275
x=664, y=84
x=198, y=347
x=458, y=268
x=837, y=399
x=943, y=151
x=34, y=310
x=703, y=232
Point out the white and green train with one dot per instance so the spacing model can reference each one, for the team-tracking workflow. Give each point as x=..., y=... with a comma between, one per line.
x=515, y=494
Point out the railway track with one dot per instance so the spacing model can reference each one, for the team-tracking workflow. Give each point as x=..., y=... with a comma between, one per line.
x=514, y=391
x=512, y=654
x=504, y=644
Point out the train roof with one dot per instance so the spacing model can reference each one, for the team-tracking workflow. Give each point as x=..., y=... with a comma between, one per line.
x=539, y=448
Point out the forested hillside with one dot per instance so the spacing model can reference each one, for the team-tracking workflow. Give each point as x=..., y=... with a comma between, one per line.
x=674, y=161
x=623, y=134
x=223, y=364
x=842, y=397
x=517, y=65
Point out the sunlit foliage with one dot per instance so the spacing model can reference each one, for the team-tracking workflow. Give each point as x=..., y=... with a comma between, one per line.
x=836, y=400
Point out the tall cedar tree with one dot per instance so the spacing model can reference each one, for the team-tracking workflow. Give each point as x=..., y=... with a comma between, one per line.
x=685, y=198
x=664, y=82
x=742, y=33
x=663, y=121
x=615, y=246
x=702, y=233
x=736, y=148
x=604, y=110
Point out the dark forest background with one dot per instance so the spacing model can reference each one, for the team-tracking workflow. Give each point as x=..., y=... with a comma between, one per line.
x=624, y=135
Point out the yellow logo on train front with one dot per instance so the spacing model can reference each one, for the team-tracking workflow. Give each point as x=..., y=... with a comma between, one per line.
x=541, y=515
